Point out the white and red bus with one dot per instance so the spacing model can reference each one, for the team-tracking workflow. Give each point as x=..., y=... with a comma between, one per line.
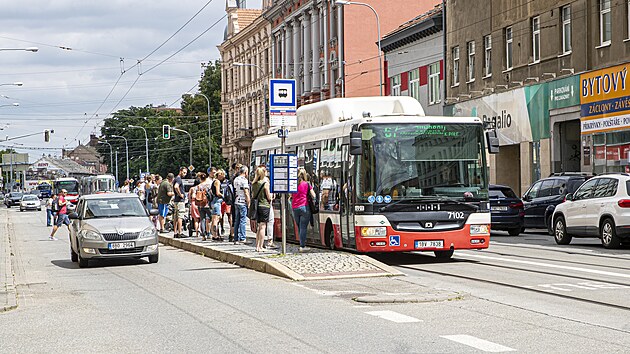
x=69, y=184
x=97, y=184
x=389, y=178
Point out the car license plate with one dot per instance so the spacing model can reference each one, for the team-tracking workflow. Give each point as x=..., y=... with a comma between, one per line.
x=121, y=245
x=430, y=244
x=498, y=208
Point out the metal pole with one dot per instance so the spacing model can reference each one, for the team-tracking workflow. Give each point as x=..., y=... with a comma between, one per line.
x=283, y=202
x=117, y=167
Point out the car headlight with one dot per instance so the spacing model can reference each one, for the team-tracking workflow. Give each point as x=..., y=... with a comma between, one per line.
x=149, y=232
x=479, y=229
x=90, y=235
x=373, y=231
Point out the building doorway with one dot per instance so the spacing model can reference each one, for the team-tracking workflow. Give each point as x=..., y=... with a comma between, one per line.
x=508, y=167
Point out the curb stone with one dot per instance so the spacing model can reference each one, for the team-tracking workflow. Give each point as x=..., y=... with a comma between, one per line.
x=8, y=291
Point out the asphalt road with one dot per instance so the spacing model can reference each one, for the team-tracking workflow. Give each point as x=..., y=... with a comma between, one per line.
x=189, y=303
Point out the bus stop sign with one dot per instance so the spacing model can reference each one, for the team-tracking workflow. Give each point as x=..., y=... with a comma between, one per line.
x=283, y=172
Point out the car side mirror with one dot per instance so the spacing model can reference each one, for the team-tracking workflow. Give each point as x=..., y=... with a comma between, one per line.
x=569, y=196
x=154, y=212
x=73, y=216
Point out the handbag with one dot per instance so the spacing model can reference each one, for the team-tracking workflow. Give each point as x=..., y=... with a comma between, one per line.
x=252, y=213
x=311, y=203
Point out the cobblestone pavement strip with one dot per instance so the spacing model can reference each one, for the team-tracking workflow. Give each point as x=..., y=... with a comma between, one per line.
x=316, y=264
x=8, y=293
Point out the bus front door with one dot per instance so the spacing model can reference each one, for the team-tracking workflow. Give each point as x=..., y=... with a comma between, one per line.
x=347, y=214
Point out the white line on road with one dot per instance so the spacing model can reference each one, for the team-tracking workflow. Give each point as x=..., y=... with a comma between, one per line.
x=478, y=343
x=578, y=269
x=393, y=316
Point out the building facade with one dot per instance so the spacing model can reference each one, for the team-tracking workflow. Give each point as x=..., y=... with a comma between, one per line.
x=523, y=67
x=245, y=73
x=414, y=64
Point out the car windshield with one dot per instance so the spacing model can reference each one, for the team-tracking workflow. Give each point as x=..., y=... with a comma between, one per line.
x=500, y=193
x=420, y=161
x=15, y=195
x=113, y=208
x=30, y=197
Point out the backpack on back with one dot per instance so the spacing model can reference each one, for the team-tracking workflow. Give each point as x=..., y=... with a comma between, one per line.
x=228, y=194
x=201, y=197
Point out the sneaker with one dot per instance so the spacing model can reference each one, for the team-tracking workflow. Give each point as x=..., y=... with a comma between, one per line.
x=304, y=249
x=52, y=238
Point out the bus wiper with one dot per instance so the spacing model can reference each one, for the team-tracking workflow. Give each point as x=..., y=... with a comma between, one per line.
x=443, y=198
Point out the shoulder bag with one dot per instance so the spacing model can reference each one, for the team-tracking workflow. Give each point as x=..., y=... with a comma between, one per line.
x=312, y=204
x=252, y=213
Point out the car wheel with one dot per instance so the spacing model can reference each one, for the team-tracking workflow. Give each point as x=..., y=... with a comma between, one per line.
x=609, y=234
x=83, y=263
x=514, y=232
x=73, y=255
x=39, y=209
x=550, y=227
x=21, y=209
x=154, y=258
x=560, y=232
x=443, y=254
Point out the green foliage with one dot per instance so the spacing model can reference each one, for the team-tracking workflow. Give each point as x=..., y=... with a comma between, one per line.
x=168, y=155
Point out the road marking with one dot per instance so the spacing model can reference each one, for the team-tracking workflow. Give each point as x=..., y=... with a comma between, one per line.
x=478, y=343
x=393, y=316
x=585, y=270
x=583, y=285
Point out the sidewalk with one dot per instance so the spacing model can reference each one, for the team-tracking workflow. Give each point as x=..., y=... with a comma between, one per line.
x=315, y=264
x=8, y=294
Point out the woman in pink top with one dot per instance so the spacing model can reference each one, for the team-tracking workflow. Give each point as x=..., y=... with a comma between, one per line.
x=299, y=203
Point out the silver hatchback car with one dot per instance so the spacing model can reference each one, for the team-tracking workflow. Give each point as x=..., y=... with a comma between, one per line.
x=111, y=225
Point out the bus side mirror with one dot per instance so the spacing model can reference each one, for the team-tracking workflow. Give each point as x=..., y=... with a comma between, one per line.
x=356, y=143
x=492, y=141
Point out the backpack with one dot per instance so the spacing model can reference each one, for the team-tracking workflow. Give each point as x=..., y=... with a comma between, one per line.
x=228, y=194
x=201, y=196
x=55, y=205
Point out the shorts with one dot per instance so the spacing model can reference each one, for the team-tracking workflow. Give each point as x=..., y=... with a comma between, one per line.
x=163, y=210
x=215, y=206
x=179, y=210
x=204, y=213
x=225, y=208
x=263, y=214
x=62, y=219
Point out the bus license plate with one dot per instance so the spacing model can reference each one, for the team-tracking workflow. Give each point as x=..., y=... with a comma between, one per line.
x=430, y=244
x=121, y=245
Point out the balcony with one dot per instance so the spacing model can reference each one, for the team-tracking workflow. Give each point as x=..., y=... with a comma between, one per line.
x=244, y=138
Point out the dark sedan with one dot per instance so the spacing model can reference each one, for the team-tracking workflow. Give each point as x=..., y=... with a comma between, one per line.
x=12, y=199
x=506, y=209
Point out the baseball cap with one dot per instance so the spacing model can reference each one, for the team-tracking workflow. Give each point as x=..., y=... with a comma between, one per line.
x=64, y=191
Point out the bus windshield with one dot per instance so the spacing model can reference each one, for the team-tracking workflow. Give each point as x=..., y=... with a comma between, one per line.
x=422, y=161
x=71, y=186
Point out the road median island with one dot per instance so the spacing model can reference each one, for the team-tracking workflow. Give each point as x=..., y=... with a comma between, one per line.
x=316, y=264
x=8, y=291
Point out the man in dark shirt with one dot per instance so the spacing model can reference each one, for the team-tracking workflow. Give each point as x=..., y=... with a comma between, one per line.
x=180, y=202
x=164, y=195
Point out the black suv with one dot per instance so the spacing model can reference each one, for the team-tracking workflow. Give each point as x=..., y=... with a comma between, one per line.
x=541, y=198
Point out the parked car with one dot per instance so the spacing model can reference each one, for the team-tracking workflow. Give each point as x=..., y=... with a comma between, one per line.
x=30, y=202
x=599, y=208
x=542, y=197
x=506, y=209
x=112, y=225
x=12, y=199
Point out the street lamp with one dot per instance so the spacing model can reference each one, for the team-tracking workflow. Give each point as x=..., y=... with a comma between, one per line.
x=209, y=130
x=146, y=142
x=111, y=159
x=13, y=84
x=28, y=49
x=191, y=143
x=126, y=151
x=378, y=29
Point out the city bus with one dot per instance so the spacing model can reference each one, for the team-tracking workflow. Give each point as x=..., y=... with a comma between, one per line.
x=388, y=178
x=97, y=184
x=69, y=184
x=45, y=190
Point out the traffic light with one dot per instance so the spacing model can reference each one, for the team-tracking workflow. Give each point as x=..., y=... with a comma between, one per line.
x=166, y=131
x=46, y=135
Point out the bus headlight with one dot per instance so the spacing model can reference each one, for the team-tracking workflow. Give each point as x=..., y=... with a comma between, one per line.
x=479, y=229
x=373, y=231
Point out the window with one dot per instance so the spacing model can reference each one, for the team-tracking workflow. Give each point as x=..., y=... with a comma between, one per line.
x=487, y=56
x=546, y=188
x=508, y=48
x=455, y=66
x=434, y=83
x=605, y=24
x=471, y=60
x=586, y=190
x=414, y=84
x=533, y=191
x=395, y=81
x=536, y=39
x=566, y=29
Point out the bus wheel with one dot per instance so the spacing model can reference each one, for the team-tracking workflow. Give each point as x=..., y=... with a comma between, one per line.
x=329, y=236
x=443, y=254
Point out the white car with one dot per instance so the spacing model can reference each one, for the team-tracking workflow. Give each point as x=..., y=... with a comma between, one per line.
x=30, y=202
x=599, y=208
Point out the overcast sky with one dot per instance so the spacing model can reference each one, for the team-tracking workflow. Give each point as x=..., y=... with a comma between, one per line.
x=63, y=89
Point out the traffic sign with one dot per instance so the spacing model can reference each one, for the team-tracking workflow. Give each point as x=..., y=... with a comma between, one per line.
x=282, y=94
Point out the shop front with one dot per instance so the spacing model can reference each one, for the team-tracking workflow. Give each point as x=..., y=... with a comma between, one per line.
x=605, y=120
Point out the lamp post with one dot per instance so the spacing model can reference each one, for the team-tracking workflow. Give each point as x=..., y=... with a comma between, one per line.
x=378, y=29
x=146, y=142
x=28, y=49
x=111, y=159
x=191, y=143
x=126, y=151
x=209, y=130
